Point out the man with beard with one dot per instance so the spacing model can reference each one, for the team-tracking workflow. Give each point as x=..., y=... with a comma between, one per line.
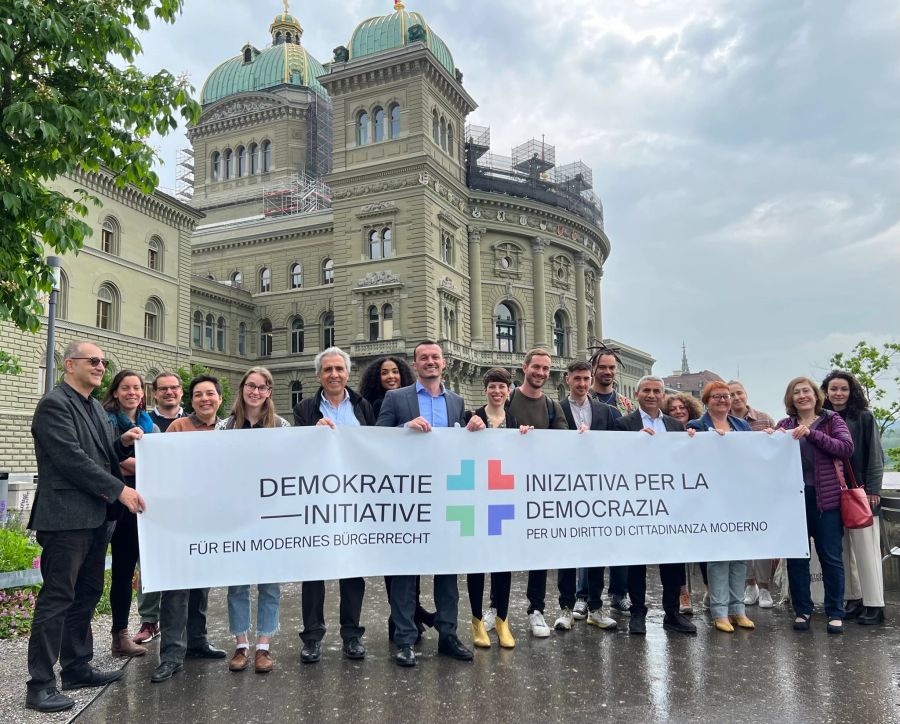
x=606, y=364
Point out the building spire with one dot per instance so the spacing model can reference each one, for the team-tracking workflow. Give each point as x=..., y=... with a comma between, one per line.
x=398, y=6
x=685, y=369
x=287, y=7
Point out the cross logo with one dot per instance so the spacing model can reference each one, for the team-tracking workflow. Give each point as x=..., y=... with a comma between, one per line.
x=464, y=481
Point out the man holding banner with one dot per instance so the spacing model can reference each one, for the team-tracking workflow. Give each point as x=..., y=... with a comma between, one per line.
x=423, y=406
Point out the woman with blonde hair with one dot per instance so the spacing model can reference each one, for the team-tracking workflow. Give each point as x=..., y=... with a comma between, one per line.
x=253, y=408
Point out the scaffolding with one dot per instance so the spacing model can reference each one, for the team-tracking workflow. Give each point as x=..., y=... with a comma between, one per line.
x=184, y=175
x=319, y=137
x=299, y=193
x=575, y=177
x=534, y=157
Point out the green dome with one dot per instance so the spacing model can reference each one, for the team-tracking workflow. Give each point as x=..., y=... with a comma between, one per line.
x=381, y=33
x=284, y=64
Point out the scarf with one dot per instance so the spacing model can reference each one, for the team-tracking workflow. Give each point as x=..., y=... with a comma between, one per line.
x=125, y=423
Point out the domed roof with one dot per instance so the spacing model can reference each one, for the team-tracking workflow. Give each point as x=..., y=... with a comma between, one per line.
x=387, y=32
x=286, y=62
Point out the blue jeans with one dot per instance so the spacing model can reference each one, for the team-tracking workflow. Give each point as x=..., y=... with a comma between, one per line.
x=268, y=604
x=726, y=587
x=827, y=531
x=618, y=582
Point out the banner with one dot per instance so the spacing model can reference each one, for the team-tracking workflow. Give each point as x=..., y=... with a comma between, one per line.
x=294, y=504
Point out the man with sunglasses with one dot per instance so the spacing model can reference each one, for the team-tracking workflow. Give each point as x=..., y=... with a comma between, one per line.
x=78, y=478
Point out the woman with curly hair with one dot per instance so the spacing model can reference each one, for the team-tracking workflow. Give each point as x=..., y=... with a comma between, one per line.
x=862, y=547
x=385, y=373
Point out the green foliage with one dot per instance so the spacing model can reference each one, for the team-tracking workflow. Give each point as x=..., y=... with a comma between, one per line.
x=9, y=365
x=874, y=367
x=17, y=551
x=103, y=605
x=187, y=375
x=893, y=455
x=72, y=99
x=16, y=612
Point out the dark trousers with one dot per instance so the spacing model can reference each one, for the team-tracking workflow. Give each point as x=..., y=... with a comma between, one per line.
x=566, y=582
x=827, y=531
x=124, y=545
x=313, y=605
x=536, y=590
x=182, y=622
x=669, y=573
x=72, y=567
x=500, y=585
x=403, y=607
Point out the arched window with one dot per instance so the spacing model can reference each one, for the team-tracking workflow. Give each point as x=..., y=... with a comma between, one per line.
x=248, y=55
x=197, y=331
x=216, y=166
x=254, y=159
x=450, y=139
x=453, y=329
x=265, y=338
x=362, y=128
x=297, y=338
x=153, y=320
x=296, y=393
x=237, y=279
x=395, y=120
x=590, y=331
x=379, y=125
x=154, y=254
x=446, y=248
x=374, y=324
x=209, y=331
x=108, y=307
x=109, y=236
x=62, y=297
x=443, y=133
x=288, y=38
x=560, y=345
x=278, y=38
x=328, y=271
x=241, y=161
x=220, y=334
x=387, y=321
x=505, y=328
x=435, y=127
x=266, y=156
x=296, y=275
x=228, y=161
x=242, y=339
x=265, y=280
x=387, y=242
x=328, y=330
x=374, y=244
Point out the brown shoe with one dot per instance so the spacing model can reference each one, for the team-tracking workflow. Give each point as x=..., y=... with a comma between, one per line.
x=263, y=662
x=240, y=660
x=122, y=645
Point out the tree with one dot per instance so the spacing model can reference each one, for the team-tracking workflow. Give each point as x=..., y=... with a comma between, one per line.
x=871, y=365
x=187, y=375
x=71, y=99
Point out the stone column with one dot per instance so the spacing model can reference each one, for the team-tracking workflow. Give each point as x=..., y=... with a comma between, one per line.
x=580, y=310
x=475, y=310
x=540, y=293
x=598, y=308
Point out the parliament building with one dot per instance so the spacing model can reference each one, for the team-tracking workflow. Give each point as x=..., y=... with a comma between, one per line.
x=345, y=203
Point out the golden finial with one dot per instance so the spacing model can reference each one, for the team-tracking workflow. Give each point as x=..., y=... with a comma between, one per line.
x=287, y=7
x=398, y=6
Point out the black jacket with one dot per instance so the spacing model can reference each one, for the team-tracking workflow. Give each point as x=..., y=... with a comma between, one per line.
x=602, y=415
x=868, y=458
x=307, y=412
x=482, y=413
x=634, y=423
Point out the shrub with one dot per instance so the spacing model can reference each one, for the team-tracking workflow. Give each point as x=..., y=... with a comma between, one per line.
x=17, y=551
x=16, y=611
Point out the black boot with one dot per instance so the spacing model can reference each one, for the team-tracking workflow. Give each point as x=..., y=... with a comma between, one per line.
x=854, y=608
x=872, y=616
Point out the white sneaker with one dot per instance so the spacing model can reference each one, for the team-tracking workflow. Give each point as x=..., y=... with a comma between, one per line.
x=596, y=618
x=565, y=620
x=765, y=598
x=539, y=627
x=580, y=612
x=490, y=619
x=751, y=595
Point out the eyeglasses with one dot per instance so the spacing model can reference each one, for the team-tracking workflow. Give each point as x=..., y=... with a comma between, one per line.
x=170, y=388
x=261, y=389
x=94, y=361
x=720, y=397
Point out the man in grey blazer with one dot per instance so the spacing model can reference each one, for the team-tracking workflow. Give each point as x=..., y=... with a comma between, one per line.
x=423, y=406
x=78, y=478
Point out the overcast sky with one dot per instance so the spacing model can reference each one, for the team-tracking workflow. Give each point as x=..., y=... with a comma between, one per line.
x=746, y=154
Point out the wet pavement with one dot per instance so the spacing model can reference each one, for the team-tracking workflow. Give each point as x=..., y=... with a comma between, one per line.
x=772, y=673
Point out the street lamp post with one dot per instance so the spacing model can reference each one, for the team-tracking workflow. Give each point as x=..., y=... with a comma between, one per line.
x=50, y=372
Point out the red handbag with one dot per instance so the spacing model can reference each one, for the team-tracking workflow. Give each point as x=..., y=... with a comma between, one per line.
x=855, y=509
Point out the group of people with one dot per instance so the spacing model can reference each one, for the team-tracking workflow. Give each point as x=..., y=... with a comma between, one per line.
x=87, y=499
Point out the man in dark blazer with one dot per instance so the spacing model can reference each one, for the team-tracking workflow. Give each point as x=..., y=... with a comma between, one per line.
x=423, y=406
x=649, y=418
x=78, y=478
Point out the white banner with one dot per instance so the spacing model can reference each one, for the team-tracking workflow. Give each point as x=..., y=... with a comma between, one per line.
x=293, y=504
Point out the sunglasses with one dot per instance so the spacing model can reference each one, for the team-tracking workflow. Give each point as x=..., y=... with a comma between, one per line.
x=94, y=361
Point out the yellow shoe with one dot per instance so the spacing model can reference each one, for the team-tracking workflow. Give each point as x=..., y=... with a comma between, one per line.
x=723, y=624
x=504, y=635
x=479, y=635
x=742, y=621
